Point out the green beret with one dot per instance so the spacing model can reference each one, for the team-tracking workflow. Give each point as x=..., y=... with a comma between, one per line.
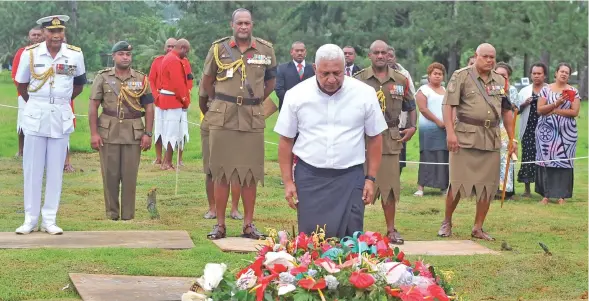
x=121, y=46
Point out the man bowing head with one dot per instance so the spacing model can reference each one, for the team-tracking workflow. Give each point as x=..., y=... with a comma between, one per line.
x=332, y=114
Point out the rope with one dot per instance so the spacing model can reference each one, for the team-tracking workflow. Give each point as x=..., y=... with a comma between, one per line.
x=408, y=162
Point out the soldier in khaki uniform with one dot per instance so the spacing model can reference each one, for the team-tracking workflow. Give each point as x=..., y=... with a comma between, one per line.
x=119, y=133
x=392, y=90
x=239, y=73
x=479, y=96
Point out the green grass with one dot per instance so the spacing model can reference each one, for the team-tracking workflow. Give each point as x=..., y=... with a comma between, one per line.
x=526, y=274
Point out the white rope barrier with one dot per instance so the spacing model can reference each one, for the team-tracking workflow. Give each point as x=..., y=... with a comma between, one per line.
x=408, y=162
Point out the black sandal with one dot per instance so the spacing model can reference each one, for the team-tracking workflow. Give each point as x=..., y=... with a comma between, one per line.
x=253, y=233
x=219, y=231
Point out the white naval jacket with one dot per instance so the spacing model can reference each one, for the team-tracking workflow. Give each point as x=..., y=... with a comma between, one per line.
x=48, y=113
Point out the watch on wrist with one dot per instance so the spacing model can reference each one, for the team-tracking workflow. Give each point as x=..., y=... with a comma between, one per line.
x=373, y=179
x=149, y=134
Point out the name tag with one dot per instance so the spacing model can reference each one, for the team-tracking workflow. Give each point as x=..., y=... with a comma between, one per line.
x=230, y=72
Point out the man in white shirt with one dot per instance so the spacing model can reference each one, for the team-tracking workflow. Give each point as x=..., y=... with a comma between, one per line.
x=332, y=113
x=50, y=75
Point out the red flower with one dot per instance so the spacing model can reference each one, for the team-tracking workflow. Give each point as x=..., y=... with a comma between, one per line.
x=437, y=292
x=401, y=256
x=302, y=241
x=298, y=270
x=314, y=255
x=423, y=269
x=325, y=247
x=410, y=293
x=311, y=284
x=265, y=249
x=279, y=268
x=383, y=249
x=392, y=292
x=407, y=263
x=256, y=266
x=263, y=282
x=361, y=280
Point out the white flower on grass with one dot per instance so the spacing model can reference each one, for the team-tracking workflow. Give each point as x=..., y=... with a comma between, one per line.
x=247, y=280
x=395, y=273
x=331, y=282
x=192, y=296
x=213, y=275
x=284, y=289
x=281, y=257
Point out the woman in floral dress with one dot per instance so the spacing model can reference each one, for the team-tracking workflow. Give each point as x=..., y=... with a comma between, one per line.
x=556, y=137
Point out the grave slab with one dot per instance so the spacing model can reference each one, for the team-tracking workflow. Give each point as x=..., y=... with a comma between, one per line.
x=435, y=247
x=95, y=287
x=98, y=239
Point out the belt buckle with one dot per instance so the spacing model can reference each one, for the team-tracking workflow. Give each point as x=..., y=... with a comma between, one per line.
x=51, y=100
x=239, y=101
x=487, y=123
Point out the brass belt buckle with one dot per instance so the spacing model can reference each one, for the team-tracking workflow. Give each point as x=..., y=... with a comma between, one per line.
x=239, y=101
x=487, y=123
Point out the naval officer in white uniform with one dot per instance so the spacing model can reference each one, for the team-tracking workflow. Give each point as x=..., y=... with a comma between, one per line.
x=50, y=74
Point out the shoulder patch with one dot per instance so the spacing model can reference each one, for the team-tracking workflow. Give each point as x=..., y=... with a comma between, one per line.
x=32, y=46
x=221, y=40
x=104, y=70
x=264, y=42
x=74, y=48
x=359, y=72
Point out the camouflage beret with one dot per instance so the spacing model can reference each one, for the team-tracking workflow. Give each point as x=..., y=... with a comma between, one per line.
x=121, y=46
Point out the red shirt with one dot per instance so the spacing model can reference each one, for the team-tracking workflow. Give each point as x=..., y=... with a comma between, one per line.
x=154, y=76
x=15, y=63
x=188, y=72
x=173, y=79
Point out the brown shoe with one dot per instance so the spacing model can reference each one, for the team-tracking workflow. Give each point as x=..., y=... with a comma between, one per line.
x=219, y=231
x=250, y=231
x=481, y=234
x=395, y=238
x=445, y=229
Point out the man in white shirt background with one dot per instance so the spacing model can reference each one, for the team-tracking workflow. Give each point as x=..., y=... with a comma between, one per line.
x=331, y=113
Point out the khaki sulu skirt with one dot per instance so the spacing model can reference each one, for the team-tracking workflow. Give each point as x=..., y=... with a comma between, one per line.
x=474, y=171
x=388, y=180
x=204, y=143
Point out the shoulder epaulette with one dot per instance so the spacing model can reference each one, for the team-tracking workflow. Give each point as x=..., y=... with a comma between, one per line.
x=462, y=69
x=221, y=40
x=74, y=48
x=399, y=73
x=139, y=72
x=32, y=46
x=104, y=70
x=264, y=42
x=354, y=75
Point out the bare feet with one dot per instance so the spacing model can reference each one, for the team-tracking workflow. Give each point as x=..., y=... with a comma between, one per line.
x=481, y=234
x=69, y=168
x=18, y=155
x=180, y=163
x=561, y=201
x=526, y=195
x=544, y=201
x=157, y=162
x=167, y=167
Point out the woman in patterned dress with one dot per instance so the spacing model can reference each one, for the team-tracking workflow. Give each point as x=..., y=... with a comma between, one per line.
x=528, y=105
x=556, y=137
x=505, y=70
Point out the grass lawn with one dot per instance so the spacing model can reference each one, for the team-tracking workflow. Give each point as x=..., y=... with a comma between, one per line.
x=525, y=274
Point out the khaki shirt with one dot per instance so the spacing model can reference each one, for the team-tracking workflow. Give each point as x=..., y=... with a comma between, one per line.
x=112, y=129
x=398, y=98
x=260, y=66
x=463, y=93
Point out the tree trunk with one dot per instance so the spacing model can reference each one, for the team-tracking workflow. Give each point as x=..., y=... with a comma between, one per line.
x=73, y=16
x=526, y=72
x=545, y=58
x=453, y=56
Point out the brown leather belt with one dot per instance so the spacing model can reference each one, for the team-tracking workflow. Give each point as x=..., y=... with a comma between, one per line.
x=123, y=115
x=484, y=123
x=239, y=100
x=393, y=123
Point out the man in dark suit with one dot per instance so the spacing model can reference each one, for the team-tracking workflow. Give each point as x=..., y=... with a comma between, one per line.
x=350, y=55
x=291, y=73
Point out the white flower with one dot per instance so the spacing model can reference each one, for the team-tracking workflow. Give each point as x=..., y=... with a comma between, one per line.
x=247, y=280
x=331, y=282
x=192, y=296
x=395, y=273
x=422, y=282
x=213, y=275
x=281, y=257
x=284, y=289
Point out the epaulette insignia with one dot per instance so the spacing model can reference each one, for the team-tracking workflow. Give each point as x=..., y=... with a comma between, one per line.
x=139, y=72
x=397, y=72
x=354, y=75
x=221, y=40
x=105, y=70
x=32, y=46
x=74, y=48
x=264, y=42
x=462, y=69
